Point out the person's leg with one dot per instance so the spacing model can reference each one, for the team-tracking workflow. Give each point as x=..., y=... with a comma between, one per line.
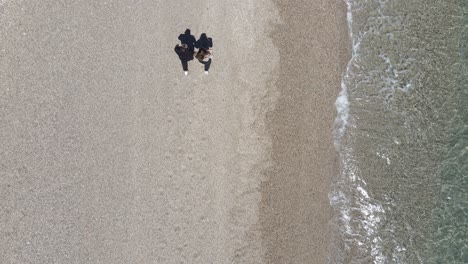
x=184, y=65
x=207, y=65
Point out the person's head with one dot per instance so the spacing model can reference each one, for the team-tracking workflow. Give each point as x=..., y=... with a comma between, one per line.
x=202, y=53
x=187, y=31
x=203, y=36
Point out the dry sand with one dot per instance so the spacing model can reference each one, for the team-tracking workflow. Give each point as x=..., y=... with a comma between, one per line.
x=109, y=154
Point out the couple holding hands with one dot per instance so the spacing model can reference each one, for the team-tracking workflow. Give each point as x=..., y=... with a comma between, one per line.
x=200, y=49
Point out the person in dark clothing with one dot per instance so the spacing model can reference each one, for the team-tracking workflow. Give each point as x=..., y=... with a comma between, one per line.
x=188, y=39
x=204, y=42
x=185, y=55
x=204, y=51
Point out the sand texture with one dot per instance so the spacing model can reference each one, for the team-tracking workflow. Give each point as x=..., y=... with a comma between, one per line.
x=295, y=210
x=109, y=154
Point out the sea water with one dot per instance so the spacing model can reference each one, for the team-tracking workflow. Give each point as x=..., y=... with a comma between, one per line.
x=402, y=134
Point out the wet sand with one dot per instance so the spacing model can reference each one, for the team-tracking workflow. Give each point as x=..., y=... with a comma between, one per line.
x=109, y=154
x=295, y=212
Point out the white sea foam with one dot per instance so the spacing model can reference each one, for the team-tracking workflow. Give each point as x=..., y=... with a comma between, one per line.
x=392, y=80
x=342, y=108
x=342, y=102
x=350, y=196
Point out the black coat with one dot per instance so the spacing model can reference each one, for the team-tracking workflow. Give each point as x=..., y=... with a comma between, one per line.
x=204, y=42
x=184, y=54
x=188, y=39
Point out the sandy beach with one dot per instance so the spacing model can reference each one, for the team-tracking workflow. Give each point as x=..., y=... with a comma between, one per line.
x=109, y=154
x=295, y=210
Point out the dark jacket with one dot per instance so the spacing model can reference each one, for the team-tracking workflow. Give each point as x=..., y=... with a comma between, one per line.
x=188, y=39
x=184, y=54
x=204, y=42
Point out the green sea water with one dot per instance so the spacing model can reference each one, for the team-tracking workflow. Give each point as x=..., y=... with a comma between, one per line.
x=402, y=132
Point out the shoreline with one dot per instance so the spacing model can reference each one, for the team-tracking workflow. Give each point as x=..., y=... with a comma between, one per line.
x=295, y=213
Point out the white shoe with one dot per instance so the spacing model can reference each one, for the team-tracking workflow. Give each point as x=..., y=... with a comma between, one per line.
x=186, y=73
x=206, y=72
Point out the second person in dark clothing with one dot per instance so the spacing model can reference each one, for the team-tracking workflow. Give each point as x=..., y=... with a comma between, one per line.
x=204, y=51
x=204, y=42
